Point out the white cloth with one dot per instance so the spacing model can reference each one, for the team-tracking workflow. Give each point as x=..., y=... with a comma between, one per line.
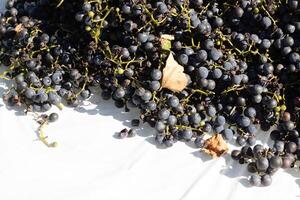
x=91, y=164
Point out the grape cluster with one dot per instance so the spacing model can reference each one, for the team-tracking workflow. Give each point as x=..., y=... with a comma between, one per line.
x=241, y=59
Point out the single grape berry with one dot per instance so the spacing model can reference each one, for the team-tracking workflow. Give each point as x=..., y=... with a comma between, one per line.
x=53, y=117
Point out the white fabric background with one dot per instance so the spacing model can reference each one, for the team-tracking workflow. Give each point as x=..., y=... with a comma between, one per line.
x=91, y=164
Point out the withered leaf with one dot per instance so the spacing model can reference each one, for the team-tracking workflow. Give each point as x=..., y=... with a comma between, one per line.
x=19, y=28
x=167, y=37
x=174, y=78
x=165, y=41
x=215, y=146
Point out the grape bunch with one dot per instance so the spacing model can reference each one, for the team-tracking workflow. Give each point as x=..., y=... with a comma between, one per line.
x=240, y=60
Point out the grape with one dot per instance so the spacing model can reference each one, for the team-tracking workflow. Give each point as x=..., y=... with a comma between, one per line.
x=235, y=154
x=159, y=138
x=251, y=140
x=203, y=82
x=258, y=89
x=237, y=79
x=19, y=78
x=47, y=81
x=288, y=41
x=227, y=66
x=160, y=126
x=195, y=118
x=266, y=180
x=265, y=44
x=214, y=54
x=142, y=37
x=257, y=98
x=211, y=111
x=187, y=134
x=291, y=147
x=183, y=59
x=123, y=133
x=86, y=7
x=286, y=50
x=41, y=97
x=211, y=84
x=220, y=120
x=219, y=128
x=172, y=120
x=184, y=120
x=140, y=91
x=257, y=150
x=262, y=164
x=294, y=57
x=163, y=113
x=53, y=117
x=241, y=140
x=54, y=98
x=203, y=72
x=132, y=132
x=290, y=28
x=251, y=129
x=22, y=86
x=279, y=145
x=207, y=127
x=46, y=107
x=85, y=94
x=255, y=180
x=154, y=85
x=168, y=142
x=227, y=134
x=57, y=77
x=244, y=121
x=199, y=142
x=218, y=22
x=147, y=95
x=151, y=105
x=162, y=8
x=287, y=161
x=217, y=73
x=238, y=12
x=156, y=74
x=29, y=93
x=289, y=125
x=293, y=4
x=208, y=44
x=173, y=101
x=31, y=64
x=37, y=108
x=266, y=22
x=119, y=93
x=250, y=112
x=201, y=55
x=275, y=162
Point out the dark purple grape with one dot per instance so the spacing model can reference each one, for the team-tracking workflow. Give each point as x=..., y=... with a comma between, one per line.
x=53, y=117
x=227, y=134
x=262, y=164
x=187, y=134
x=255, y=180
x=266, y=180
x=160, y=126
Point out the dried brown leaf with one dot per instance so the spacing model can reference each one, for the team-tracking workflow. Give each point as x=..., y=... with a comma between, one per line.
x=215, y=146
x=19, y=28
x=174, y=78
